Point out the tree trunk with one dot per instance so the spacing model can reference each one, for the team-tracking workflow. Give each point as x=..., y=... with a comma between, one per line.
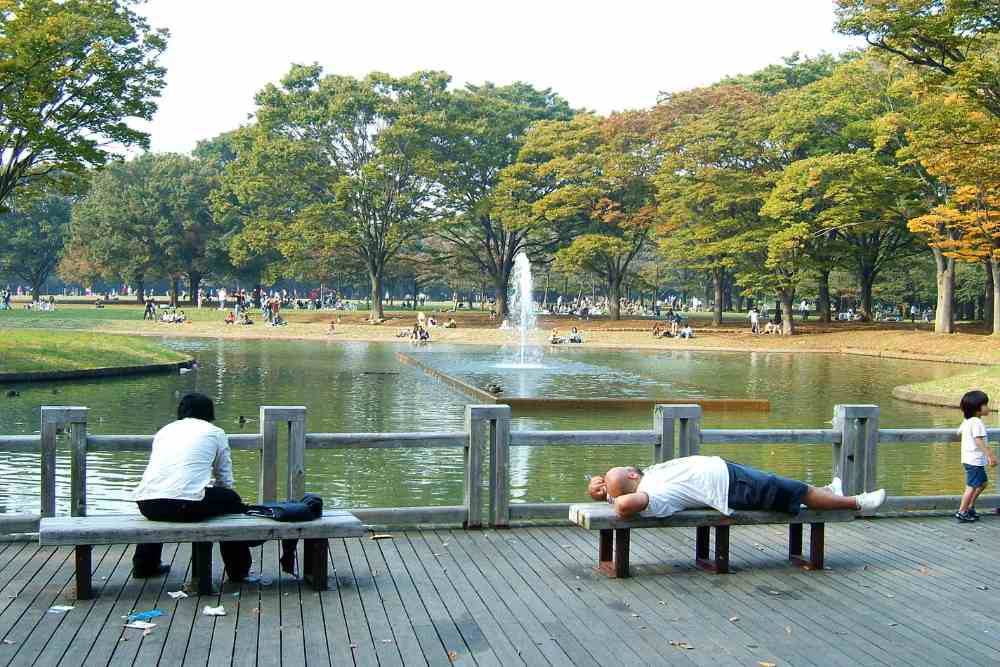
x=376, y=312
x=614, y=298
x=36, y=290
x=140, y=291
x=995, y=275
x=990, y=300
x=787, y=325
x=175, y=286
x=823, y=301
x=867, y=281
x=944, y=321
x=500, y=283
x=194, y=279
x=717, y=278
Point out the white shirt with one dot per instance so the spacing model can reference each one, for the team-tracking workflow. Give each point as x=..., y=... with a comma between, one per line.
x=971, y=429
x=188, y=455
x=685, y=483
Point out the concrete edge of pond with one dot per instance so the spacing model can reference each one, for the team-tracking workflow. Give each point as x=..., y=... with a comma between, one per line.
x=86, y=373
x=907, y=393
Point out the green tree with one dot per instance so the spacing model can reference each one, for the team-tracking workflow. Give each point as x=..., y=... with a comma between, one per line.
x=480, y=134
x=716, y=171
x=952, y=39
x=71, y=73
x=32, y=239
x=355, y=154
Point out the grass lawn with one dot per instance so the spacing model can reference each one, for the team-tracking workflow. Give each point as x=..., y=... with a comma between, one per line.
x=33, y=350
x=984, y=379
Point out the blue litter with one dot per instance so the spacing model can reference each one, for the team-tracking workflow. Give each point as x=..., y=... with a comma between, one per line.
x=144, y=615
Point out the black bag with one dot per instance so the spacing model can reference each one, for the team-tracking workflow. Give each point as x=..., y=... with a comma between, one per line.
x=307, y=509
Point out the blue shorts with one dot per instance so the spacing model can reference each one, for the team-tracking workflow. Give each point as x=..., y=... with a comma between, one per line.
x=975, y=476
x=752, y=489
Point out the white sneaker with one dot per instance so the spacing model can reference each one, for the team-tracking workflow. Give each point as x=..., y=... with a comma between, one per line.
x=836, y=487
x=871, y=501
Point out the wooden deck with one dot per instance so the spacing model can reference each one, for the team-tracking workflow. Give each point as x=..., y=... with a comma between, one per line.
x=896, y=591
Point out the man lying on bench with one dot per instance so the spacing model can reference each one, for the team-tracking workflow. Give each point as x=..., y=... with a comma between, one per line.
x=710, y=481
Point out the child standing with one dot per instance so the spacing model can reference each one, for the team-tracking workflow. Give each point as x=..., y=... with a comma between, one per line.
x=976, y=453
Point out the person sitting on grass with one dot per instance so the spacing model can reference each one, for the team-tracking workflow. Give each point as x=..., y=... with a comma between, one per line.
x=555, y=338
x=710, y=481
x=332, y=328
x=574, y=336
x=976, y=453
x=687, y=331
x=245, y=319
x=451, y=324
x=230, y=318
x=657, y=330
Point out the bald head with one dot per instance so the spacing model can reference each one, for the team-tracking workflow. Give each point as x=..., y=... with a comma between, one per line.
x=621, y=481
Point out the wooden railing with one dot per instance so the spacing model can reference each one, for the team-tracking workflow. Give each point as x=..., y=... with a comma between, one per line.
x=485, y=442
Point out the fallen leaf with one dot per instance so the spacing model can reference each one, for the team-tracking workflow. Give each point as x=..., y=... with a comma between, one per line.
x=452, y=656
x=924, y=570
x=762, y=663
x=788, y=630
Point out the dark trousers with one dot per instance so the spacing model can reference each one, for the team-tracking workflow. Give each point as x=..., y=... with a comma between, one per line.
x=217, y=501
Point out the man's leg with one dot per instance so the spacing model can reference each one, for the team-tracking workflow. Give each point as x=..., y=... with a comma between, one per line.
x=235, y=555
x=146, y=559
x=821, y=499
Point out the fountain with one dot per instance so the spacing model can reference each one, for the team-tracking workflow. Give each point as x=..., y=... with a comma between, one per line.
x=521, y=304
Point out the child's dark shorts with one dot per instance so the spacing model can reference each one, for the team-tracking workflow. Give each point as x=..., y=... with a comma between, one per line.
x=975, y=476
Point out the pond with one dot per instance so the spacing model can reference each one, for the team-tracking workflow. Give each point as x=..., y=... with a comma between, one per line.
x=359, y=387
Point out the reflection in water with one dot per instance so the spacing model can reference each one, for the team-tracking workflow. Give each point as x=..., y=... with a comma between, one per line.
x=356, y=387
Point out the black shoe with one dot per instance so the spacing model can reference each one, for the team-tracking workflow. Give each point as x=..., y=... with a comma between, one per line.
x=973, y=513
x=160, y=570
x=963, y=517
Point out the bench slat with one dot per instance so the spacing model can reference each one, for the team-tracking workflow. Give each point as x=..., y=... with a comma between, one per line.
x=135, y=529
x=601, y=516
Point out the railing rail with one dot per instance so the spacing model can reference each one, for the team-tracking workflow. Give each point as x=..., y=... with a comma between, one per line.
x=485, y=443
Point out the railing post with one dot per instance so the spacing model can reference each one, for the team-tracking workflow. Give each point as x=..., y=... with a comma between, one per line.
x=492, y=422
x=77, y=420
x=52, y=419
x=47, y=464
x=294, y=417
x=475, y=428
x=297, y=455
x=855, y=457
x=665, y=418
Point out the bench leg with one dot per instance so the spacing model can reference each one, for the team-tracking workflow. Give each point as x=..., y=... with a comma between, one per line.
x=795, y=543
x=613, y=553
x=316, y=563
x=817, y=544
x=84, y=587
x=201, y=567
x=719, y=565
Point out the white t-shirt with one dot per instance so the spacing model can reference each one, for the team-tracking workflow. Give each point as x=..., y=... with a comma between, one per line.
x=686, y=483
x=971, y=429
x=188, y=455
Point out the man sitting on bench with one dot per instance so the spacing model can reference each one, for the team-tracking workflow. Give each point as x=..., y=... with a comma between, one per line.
x=710, y=481
x=187, y=456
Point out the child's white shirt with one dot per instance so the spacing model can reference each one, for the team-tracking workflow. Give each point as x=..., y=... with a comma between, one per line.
x=971, y=429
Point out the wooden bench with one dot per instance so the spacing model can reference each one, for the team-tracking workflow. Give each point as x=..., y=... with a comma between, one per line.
x=613, y=544
x=83, y=533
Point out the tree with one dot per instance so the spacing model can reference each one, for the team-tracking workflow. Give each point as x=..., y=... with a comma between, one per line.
x=32, y=239
x=951, y=39
x=362, y=168
x=716, y=171
x=481, y=133
x=72, y=72
x=602, y=173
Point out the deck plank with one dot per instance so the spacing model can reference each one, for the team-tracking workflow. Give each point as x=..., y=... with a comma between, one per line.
x=895, y=591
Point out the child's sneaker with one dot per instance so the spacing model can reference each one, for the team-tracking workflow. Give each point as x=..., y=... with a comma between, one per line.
x=973, y=513
x=964, y=517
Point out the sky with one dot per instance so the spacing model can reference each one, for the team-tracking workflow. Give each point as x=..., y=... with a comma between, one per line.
x=602, y=55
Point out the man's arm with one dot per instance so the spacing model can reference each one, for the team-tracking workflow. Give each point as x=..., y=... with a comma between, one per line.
x=630, y=504
x=222, y=467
